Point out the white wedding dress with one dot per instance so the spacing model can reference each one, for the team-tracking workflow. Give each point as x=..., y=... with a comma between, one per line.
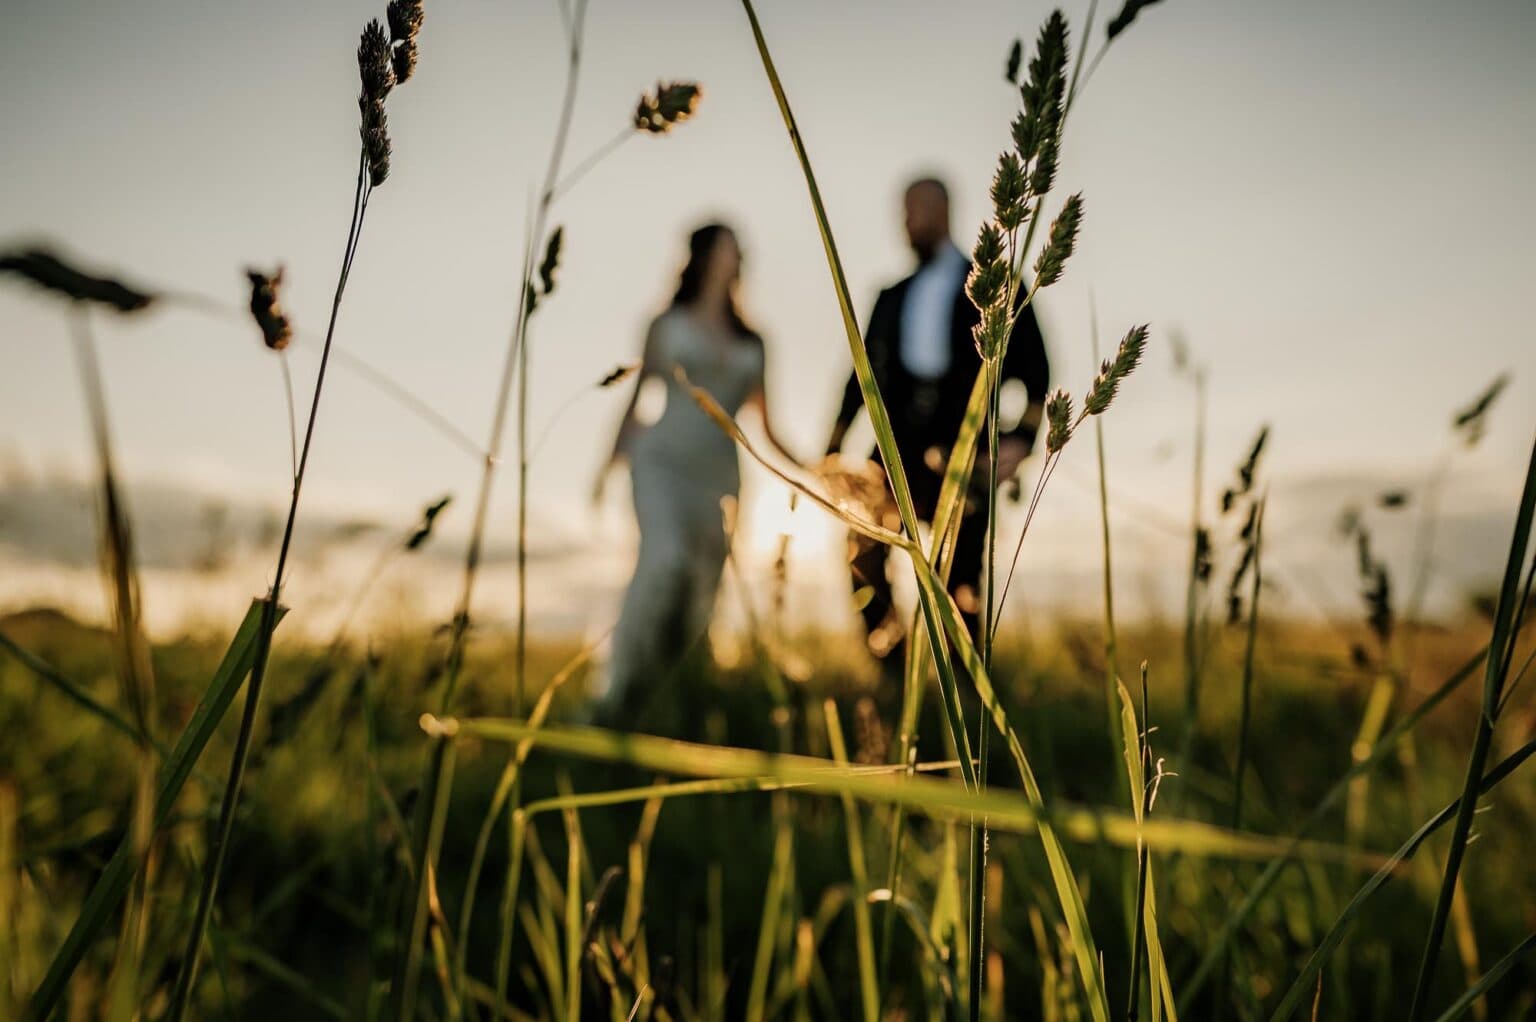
x=681, y=467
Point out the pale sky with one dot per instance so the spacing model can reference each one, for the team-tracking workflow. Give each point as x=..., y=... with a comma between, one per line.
x=1330, y=201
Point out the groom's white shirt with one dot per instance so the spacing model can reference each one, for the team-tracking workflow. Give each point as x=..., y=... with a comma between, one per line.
x=927, y=313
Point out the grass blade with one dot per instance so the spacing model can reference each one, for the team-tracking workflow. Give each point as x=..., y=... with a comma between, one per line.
x=1266, y=880
x=1303, y=984
x=869, y=993
x=944, y=800
x=112, y=885
x=1496, y=671
x=1489, y=978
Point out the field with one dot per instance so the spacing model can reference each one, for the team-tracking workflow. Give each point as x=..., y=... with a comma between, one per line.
x=1222, y=812
x=307, y=917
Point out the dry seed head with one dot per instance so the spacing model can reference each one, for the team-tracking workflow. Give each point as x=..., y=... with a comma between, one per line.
x=1015, y=57
x=1122, y=21
x=375, y=135
x=373, y=62
x=671, y=103
x=618, y=374
x=1058, y=247
x=428, y=517
x=266, y=309
x=403, y=59
x=1472, y=420
x=551, y=261
x=1058, y=413
x=47, y=271
x=1378, y=603
x=1010, y=192
x=405, y=18
x=1246, y=471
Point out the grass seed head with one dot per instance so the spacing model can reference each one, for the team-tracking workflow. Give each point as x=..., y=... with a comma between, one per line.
x=1010, y=192
x=987, y=283
x=266, y=309
x=375, y=135
x=403, y=59
x=551, y=261
x=428, y=518
x=1036, y=132
x=618, y=374
x=1122, y=21
x=992, y=332
x=1112, y=371
x=1015, y=58
x=1247, y=470
x=374, y=64
x=51, y=273
x=671, y=103
x=1058, y=414
x=1052, y=261
x=405, y=18
x=1471, y=421
x=989, y=245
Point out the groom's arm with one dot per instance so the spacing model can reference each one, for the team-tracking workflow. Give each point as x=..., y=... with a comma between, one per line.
x=853, y=400
x=853, y=394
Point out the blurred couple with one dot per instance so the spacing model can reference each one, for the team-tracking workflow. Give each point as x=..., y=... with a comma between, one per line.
x=682, y=466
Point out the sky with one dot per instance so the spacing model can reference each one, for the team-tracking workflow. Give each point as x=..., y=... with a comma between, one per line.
x=1328, y=202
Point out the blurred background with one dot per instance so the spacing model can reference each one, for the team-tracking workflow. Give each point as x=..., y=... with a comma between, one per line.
x=1328, y=203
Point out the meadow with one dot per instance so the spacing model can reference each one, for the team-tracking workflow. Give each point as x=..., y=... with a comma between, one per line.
x=1218, y=814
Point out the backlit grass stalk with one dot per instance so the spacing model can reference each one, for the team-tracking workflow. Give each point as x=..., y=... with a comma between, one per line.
x=408, y=974
x=941, y=799
x=377, y=70
x=1500, y=655
x=134, y=669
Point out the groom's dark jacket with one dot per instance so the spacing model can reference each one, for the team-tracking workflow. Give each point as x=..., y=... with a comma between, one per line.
x=928, y=413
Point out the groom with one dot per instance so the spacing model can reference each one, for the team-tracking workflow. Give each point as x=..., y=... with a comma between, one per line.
x=919, y=344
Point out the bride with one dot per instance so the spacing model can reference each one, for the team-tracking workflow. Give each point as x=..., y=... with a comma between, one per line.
x=682, y=466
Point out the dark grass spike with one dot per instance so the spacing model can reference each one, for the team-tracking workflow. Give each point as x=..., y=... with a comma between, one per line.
x=47, y=271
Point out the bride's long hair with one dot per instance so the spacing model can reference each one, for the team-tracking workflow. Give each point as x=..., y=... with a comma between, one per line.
x=701, y=244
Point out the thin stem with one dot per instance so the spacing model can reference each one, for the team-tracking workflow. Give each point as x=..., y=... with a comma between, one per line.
x=1139, y=933
x=1246, y=706
x=591, y=160
x=516, y=363
x=213, y=867
x=1111, y=639
x=293, y=424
